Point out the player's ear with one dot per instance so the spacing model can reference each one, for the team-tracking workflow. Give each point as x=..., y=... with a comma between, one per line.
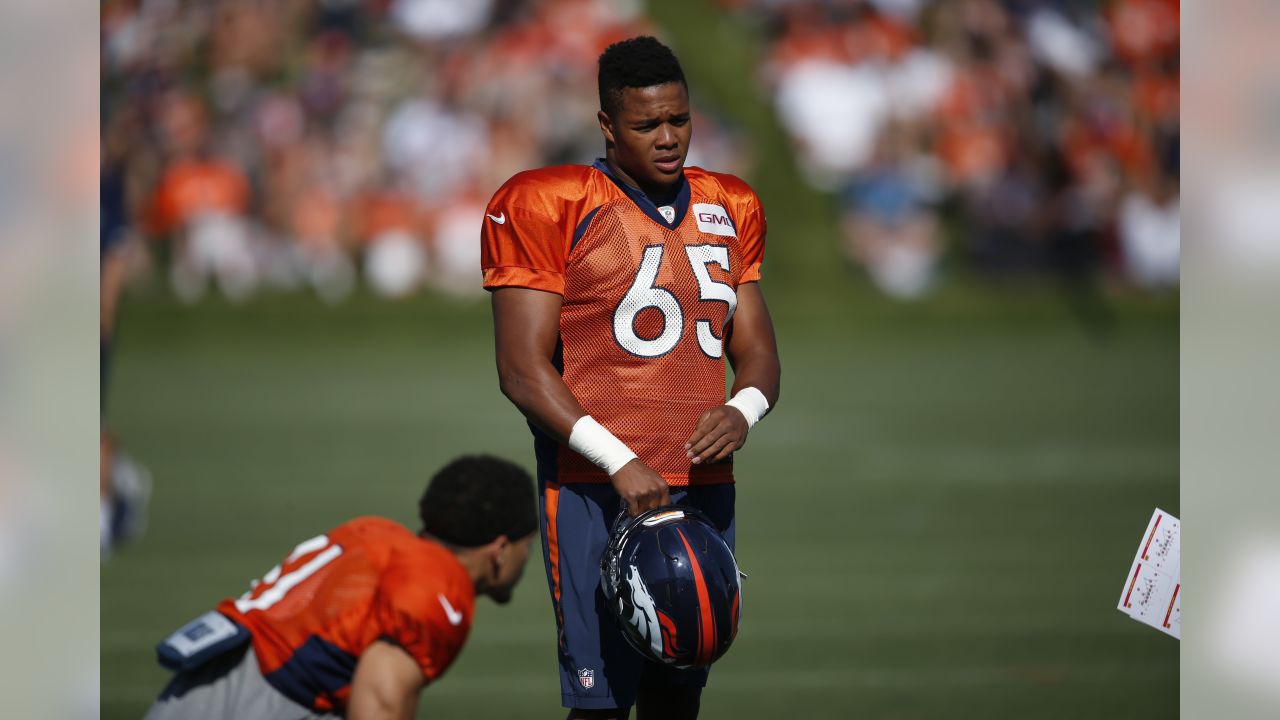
x=498, y=553
x=606, y=126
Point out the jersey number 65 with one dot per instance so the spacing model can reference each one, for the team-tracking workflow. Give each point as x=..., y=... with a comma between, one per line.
x=643, y=294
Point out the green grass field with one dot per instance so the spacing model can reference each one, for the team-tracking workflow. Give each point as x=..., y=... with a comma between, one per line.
x=936, y=520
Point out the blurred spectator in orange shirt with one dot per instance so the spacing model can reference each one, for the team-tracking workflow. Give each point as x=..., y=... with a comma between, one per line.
x=202, y=202
x=388, y=225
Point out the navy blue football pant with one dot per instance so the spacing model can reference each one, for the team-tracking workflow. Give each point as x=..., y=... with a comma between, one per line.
x=598, y=669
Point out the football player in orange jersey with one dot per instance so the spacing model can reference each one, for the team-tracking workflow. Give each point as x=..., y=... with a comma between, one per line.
x=618, y=291
x=355, y=622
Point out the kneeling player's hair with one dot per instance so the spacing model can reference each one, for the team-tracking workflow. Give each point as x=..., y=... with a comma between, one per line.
x=476, y=498
x=638, y=62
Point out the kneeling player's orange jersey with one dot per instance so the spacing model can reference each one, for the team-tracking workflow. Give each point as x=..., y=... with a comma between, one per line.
x=648, y=294
x=370, y=579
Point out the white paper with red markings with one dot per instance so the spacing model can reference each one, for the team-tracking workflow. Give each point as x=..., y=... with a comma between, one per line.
x=1152, y=592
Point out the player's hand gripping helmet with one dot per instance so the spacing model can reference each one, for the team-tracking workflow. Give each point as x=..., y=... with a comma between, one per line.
x=674, y=586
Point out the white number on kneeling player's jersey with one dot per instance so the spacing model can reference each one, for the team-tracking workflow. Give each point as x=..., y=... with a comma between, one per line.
x=644, y=294
x=281, y=584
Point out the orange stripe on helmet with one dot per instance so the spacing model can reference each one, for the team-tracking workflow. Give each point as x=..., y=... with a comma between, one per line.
x=670, y=636
x=707, y=636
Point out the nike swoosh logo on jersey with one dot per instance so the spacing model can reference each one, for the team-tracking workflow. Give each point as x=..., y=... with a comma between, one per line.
x=500, y=218
x=455, y=617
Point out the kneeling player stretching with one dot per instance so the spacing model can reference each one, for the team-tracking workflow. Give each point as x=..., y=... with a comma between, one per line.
x=355, y=622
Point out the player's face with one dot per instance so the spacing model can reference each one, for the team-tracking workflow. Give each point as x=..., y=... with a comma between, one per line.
x=510, y=568
x=648, y=136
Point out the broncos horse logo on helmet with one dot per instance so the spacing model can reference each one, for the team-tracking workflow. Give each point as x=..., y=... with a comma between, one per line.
x=674, y=586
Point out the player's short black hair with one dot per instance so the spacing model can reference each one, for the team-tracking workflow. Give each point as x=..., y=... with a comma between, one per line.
x=637, y=62
x=476, y=498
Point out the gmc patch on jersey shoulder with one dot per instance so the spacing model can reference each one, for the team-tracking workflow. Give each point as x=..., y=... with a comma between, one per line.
x=713, y=219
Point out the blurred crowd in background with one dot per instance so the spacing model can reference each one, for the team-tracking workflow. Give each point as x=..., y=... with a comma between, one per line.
x=264, y=144
x=1045, y=132
x=289, y=143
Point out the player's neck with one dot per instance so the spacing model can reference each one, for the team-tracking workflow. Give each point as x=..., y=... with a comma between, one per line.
x=475, y=562
x=659, y=196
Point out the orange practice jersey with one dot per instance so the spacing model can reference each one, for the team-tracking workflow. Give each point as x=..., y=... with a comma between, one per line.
x=370, y=579
x=647, y=298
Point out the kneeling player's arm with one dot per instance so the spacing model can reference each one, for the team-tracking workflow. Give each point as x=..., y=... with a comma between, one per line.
x=752, y=347
x=526, y=326
x=386, y=684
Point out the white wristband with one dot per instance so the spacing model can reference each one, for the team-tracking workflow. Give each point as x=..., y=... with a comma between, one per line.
x=752, y=403
x=592, y=441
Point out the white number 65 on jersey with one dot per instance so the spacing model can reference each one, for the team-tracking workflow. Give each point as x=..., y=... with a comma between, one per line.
x=643, y=294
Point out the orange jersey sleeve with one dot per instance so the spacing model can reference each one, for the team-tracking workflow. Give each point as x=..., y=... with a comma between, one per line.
x=748, y=216
x=529, y=225
x=424, y=613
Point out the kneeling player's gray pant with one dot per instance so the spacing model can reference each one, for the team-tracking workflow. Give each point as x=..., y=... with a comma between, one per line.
x=227, y=688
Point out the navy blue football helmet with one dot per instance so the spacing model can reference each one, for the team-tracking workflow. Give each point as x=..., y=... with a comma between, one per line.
x=674, y=586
